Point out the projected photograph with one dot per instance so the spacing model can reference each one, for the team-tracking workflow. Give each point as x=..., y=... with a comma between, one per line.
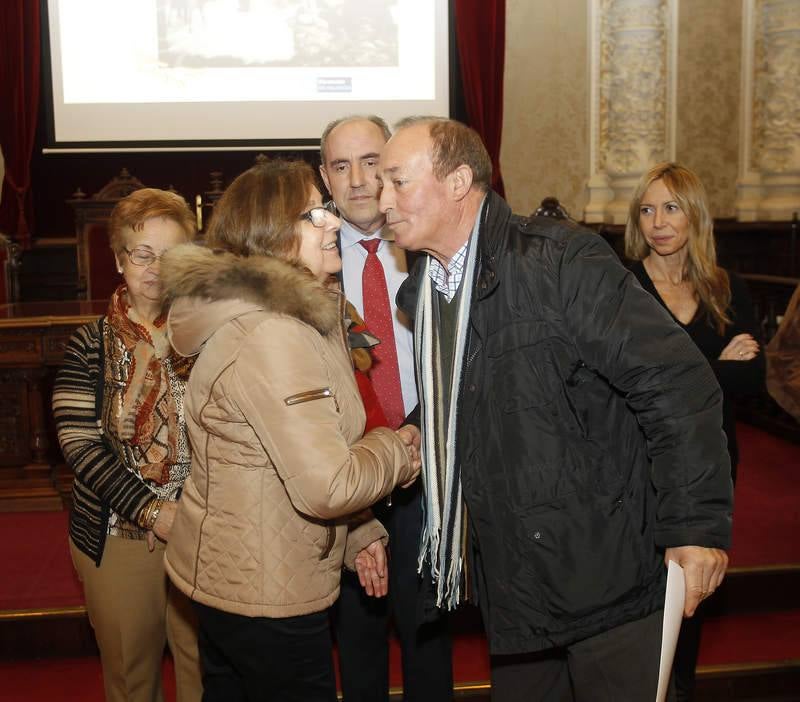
x=213, y=70
x=275, y=33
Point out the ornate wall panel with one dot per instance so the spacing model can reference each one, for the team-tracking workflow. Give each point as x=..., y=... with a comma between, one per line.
x=708, y=92
x=632, y=107
x=769, y=176
x=33, y=337
x=545, y=122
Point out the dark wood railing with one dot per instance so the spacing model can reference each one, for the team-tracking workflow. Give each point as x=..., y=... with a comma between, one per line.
x=771, y=295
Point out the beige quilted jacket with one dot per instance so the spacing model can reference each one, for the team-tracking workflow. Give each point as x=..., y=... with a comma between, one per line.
x=279, y=467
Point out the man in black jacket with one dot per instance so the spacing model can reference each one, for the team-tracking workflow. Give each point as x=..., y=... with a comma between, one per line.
x=572, y=433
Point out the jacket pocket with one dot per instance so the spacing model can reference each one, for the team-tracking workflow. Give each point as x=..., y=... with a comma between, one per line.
x=519, y=379
x=518, y=356
x=585, y=553
x=309, y=396
x=329, y=542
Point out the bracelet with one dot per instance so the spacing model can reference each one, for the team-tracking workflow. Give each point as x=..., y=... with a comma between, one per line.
x=149, y=514
x=144, y=513
x=151, y=521
x=140, y=518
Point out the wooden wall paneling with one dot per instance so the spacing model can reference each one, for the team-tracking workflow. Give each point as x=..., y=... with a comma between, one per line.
x=33, y=337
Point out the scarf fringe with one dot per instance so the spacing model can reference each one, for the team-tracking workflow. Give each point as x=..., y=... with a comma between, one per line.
x=441, y=543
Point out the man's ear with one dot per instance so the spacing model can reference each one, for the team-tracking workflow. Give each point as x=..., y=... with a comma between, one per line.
x=461, y=181
x=324, y=174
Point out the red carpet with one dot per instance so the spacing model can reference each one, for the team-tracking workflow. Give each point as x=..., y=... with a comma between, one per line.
x=81, y=680
x=64, y=679
x=766, y=518
x=39, y=574
x=761, y=638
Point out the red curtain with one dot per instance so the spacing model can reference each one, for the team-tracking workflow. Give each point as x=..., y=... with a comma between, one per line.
x=481, y=38
x=19, y=103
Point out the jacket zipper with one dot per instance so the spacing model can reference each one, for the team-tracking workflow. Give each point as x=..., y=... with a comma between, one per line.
x=309, y=395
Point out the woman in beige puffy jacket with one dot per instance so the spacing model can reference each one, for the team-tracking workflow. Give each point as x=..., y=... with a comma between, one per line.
x=281, y=475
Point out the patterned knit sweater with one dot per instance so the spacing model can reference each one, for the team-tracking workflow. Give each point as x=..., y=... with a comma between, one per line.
x=102, y=483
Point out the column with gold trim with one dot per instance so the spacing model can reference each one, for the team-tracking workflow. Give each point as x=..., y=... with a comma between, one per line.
x=769, y=152
x=633, y=53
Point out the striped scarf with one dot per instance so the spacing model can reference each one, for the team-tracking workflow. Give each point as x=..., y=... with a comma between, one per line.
x=444, y=509
x=140, y=413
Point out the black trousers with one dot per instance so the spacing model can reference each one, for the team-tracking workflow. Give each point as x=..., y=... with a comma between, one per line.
x=361, y=622
x=686, y=653
x=618, y=665
x=245, y=659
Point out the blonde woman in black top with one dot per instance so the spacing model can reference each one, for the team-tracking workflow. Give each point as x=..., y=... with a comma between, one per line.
x=669, y=236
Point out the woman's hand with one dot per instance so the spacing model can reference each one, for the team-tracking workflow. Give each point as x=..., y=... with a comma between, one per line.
x=410, y=436
x=373, y=572
x=163, y=523
x=743, y=347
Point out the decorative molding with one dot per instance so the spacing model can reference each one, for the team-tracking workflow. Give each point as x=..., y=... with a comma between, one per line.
x=769, y=178
x=633, y=66
x=13, y=418
x=632, y=86
x=26, y=346
x=777, y=118
x=118, y=187
x=56, y=346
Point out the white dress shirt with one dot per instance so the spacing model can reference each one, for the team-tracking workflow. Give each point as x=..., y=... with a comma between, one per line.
x=393, y=260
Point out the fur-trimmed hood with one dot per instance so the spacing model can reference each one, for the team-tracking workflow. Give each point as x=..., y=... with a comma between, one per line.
x=206, y=289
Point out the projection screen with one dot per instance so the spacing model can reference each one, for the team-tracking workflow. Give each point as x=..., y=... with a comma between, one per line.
x=224, y=73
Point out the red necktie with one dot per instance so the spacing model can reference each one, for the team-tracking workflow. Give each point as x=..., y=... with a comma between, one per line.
x=385, y=373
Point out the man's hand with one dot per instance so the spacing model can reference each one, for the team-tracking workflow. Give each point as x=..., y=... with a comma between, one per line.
x=373, y=572
x=703, y=569
x=410, y=436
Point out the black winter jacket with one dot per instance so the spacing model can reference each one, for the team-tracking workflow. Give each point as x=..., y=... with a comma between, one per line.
x=589, y=436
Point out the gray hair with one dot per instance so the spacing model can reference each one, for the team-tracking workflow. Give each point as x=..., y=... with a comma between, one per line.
x=454, y=144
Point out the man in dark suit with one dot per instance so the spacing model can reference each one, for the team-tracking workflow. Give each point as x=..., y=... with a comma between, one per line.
x=372, y=271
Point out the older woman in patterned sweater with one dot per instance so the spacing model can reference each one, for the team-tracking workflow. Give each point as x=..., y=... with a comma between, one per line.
x=118, y=404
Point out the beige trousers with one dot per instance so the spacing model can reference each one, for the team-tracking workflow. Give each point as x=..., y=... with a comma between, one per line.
x=134, y=611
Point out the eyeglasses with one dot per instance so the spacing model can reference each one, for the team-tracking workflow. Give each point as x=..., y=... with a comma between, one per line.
x=142, y=256
x=316, y=215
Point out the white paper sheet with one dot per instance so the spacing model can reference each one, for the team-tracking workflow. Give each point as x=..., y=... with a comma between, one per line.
x=673, y=616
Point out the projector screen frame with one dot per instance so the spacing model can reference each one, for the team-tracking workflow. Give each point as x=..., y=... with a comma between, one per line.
x=53, y=146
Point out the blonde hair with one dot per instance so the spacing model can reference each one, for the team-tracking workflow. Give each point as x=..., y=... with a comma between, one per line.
x=709, y=281
x=132, y=211
x=258, y=213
